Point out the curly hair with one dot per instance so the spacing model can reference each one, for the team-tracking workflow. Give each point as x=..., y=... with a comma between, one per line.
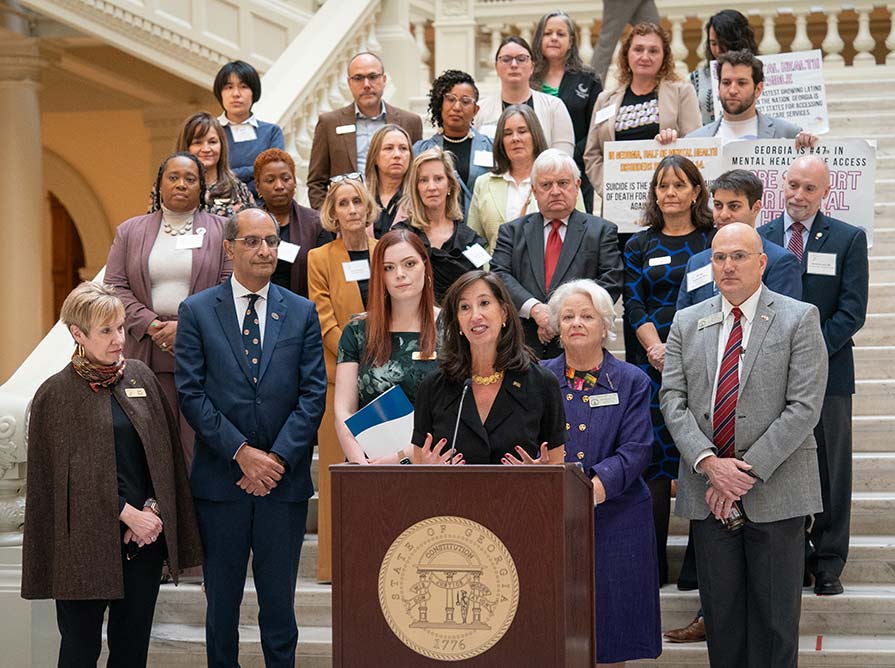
x=155, y=203
x=573, y=57
x=441, y=86
x=666, y=71
x=700, y=215
x=732, y=31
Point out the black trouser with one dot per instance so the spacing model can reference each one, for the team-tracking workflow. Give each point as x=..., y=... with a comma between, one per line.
x=130, y=618
x=660, y=490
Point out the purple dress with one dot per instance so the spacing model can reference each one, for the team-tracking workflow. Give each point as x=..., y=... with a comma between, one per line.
x=614, y=442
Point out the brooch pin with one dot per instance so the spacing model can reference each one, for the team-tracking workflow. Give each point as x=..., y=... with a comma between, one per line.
x=516, y=383
x=764, y=317
x=274, y=316
x=818, y=235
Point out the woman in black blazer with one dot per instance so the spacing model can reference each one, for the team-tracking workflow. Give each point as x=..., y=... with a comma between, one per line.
x=559, y=71
x=512, y=411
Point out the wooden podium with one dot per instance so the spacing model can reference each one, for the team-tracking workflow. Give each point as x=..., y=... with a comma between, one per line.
x=489, y=565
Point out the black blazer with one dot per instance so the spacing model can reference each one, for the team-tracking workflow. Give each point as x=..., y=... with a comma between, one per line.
x=527, y=411
x=841, y=299
x=579, y=91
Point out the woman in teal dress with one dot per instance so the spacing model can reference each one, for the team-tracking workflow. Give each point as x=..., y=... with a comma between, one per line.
x=394, y=343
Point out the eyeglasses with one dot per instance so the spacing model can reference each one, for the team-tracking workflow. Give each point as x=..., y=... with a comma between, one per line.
x=464, y=101
x=521, y=59
x=351, y=176
x=737, y=257
x=252, y=243
x=360, y=78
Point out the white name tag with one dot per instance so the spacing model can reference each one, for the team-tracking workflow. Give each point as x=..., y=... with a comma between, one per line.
x=187, y=241
x=598, y=400
x=710, y=320
x=821, y=263
x=699, y=277
x=489, y=130
x=358, y=270
x=287, y=252
x=604, y=114
x=244, y=132
x=483, y=159
x=135, y=392
x=346, y=129
x=659, y=261
x=477, y=255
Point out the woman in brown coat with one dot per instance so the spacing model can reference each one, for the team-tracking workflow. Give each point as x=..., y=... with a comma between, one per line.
x=108, y=501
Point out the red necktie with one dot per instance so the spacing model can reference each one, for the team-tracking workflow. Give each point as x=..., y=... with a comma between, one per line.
x=795, y=245
x=551, y=252
x=724, y=417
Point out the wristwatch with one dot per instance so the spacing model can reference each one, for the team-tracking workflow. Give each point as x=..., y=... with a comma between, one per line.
x=152, y=504
x=403, y=459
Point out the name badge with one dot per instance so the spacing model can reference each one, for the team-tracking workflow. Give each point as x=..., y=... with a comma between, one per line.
x=358, y=270
x=598, y=400
x=135, y=392
x=187, y=241
x=346, y=129
x=659, y=261
x=699, y=277
x=243, y=132
x=489, y=130
x=418, y=356
x=823, y=264
x=483, y=159
x=604, y=114
x=710, y=320
x=477, y=255
x=287, y=252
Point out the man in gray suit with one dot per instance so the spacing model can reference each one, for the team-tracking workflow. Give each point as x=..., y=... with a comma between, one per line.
x=740, y=82
x=537, y=253
x=741, y=392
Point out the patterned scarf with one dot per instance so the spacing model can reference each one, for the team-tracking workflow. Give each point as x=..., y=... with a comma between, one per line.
x=97, y=375
x=582, y=380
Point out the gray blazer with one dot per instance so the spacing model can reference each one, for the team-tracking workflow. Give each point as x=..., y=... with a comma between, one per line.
x=783, y=376
x=769, y=127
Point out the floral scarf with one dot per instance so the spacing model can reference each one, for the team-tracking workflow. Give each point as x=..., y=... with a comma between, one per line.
x=97, y=375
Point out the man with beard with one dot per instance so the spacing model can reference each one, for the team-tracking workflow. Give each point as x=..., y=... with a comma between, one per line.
x=740, y=82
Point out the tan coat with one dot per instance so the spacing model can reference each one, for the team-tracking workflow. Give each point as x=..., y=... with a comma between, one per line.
x=678, y=109
x=72, y=542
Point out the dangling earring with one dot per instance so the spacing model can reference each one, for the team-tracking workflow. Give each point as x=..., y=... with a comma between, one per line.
x=79, y=349
x=504, y=325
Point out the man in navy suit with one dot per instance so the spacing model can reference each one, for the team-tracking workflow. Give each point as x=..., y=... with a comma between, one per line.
x=835, y=277
x=736, y=197
x=252, y=384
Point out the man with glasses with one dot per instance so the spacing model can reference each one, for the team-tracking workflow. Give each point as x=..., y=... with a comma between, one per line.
x=741, y=392
x=252, y=384
x=342, y=136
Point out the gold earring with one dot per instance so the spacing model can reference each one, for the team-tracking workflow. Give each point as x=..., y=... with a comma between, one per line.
x=79, y=349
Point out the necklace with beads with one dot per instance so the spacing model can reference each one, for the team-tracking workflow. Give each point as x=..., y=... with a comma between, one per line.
x=495, y=377
x=450, y=140
x=181, y=230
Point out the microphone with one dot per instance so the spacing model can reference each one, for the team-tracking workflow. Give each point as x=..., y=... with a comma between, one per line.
x=466, y=385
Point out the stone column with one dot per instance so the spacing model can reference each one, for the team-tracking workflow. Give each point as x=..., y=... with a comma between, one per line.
x=455, y=35
x=399, y=51
x=26, y=299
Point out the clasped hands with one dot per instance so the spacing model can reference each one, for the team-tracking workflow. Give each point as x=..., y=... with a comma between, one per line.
x=541, y=315
x=163, y=334
x=143, y=526
x=728, y=482
x=261, y=471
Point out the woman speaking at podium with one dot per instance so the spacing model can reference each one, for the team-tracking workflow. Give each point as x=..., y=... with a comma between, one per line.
x=510, y=410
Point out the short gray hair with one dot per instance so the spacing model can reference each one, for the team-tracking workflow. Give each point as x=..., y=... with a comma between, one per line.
x=554, y=160
x=231, y=227
x=598, y=296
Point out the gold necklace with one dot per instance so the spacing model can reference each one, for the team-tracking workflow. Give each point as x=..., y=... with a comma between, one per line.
x=495, y=377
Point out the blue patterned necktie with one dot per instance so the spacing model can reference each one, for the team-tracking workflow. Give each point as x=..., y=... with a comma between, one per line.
x=251, y=336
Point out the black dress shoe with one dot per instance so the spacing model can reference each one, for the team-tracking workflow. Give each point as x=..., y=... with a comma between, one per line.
x=827, y=584
x=807, y=579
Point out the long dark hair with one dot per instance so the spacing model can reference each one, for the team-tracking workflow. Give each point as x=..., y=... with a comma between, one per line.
x=573, y=57
x=732, y=30
x=197, y=126
x=379, y=305
x=538, y=143
x=701, y=216
x=456, y=358
x=155, y=199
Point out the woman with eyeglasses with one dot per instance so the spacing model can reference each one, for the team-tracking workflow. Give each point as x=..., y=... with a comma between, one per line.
x=514, y=65
x=432, y=203
x=338, y=284
x=558, y=71
x=386, y=169
x=108, y=500
x=158, y=260
x=678, y=224
x=453, y=103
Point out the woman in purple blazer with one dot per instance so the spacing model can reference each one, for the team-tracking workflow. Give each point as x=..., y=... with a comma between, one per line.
x=610, y=434
x=158, y=260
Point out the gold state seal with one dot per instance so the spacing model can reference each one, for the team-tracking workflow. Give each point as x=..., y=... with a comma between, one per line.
x=448, y=588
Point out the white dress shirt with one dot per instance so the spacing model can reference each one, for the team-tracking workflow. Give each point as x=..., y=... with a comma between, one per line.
x=241, y=304
x=518, y=195
x=525, y=311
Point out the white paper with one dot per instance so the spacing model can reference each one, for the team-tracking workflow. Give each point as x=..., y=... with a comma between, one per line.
x=483, y=159
x=187, y=241
x=287, y=252
x=244, y=132
x=477, y=255
x=699, y=277
x=358, y=270
x=659, y=261
x=823, y=264
x=346, y=129
x=489, y=130
x=604, y=114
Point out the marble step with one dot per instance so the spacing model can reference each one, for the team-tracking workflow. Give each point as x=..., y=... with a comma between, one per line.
x=874, y=397
x=874, y=362
x=882, y=268
x=884, y=237
x=872, y=514
x=882, y=298
x=873, y=472
x=841, y=83
x=873, y=433
x=878, y=330
x=861, y=123
x=865, y=609
x=871, y=559
x=311, y=526
x=827, y=651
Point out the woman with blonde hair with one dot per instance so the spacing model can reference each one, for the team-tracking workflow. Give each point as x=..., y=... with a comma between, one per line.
x=432, y=203
x=338, y=280
x=386, y=169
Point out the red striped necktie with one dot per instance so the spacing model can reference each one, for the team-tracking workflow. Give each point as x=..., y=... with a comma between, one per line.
x=795, y=245
x=724, y=417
